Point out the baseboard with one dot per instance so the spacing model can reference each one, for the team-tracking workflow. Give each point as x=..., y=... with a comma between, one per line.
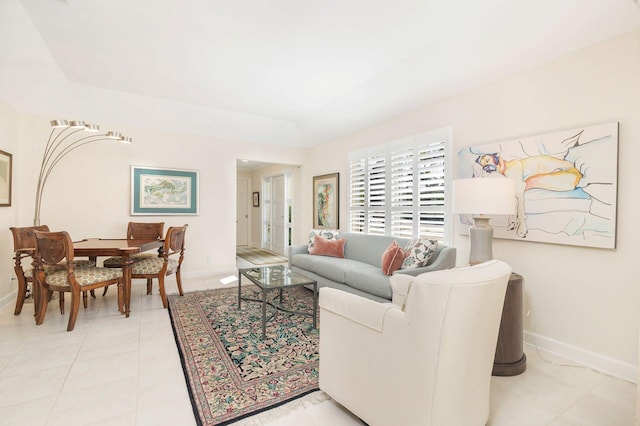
x=8, y=299
x=209, y=273
x=604, y=364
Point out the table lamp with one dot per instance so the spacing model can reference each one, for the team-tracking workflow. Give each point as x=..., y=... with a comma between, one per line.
x=483, y=197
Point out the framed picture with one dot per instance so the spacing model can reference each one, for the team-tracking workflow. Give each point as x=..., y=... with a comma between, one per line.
x=5, y=178
x=326, y=201
x=160, y=191
x=256, y=199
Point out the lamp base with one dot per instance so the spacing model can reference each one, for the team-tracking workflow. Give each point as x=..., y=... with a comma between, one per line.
x=481, y=239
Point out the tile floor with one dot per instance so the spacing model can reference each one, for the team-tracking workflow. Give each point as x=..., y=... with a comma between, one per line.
x=121, y=371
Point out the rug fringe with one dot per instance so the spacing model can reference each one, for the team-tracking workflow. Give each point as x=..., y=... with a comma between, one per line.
x=194, y=408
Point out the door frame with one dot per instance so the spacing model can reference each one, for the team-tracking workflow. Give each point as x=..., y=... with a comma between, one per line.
x=247, y=182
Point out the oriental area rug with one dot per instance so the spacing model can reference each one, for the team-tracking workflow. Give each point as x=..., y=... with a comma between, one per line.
x=259, y=257
x=231, y=372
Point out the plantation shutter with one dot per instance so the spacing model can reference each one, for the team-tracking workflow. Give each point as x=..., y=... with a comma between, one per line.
x=431, y=185
x=357, y=182
x=376, y=195
x=399, y=189
x=402, y=192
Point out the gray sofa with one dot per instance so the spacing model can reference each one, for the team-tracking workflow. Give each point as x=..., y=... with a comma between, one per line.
x=360, y=272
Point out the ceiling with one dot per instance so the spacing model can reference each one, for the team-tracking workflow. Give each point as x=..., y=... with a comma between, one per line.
x=285, y=72
x=250, y=165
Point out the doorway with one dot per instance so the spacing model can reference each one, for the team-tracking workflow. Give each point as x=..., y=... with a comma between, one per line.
x=271, y=197
x=276, y=229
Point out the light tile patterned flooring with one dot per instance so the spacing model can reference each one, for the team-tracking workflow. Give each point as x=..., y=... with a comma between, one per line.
x=121, y=371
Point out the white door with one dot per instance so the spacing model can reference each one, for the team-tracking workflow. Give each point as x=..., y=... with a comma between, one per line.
x=242, y=212
x=279, y=231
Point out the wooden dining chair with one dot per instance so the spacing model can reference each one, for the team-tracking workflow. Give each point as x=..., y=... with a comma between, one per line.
x=24, y=245
x=159, y=267
x=52, y=248
x=138, y=231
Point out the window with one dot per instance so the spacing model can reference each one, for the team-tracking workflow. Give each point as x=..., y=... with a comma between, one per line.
x=398, y=189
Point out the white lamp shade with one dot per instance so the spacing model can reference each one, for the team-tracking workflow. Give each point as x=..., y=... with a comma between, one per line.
x=484, y=196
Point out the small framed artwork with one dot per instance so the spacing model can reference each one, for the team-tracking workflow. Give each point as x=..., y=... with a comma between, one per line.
x=5, y=178
x=256, y=199
x=326, y=201
x=162, y=191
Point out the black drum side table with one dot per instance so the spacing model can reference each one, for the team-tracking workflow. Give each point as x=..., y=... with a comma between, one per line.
x=510, y=359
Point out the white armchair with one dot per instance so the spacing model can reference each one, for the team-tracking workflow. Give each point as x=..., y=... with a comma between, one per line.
x=424, y=360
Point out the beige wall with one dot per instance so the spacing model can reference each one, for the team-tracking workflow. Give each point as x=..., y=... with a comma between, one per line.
x=8, y=215
x=581, y=297
x=88, y=194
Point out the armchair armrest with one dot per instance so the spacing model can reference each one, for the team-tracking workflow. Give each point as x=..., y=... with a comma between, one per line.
x=360, y=310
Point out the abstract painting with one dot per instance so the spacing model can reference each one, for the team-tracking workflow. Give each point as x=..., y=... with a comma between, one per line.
x=326, y=191
x=566, y=184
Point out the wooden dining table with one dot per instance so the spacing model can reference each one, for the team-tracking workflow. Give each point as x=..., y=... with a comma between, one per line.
x=97, y=247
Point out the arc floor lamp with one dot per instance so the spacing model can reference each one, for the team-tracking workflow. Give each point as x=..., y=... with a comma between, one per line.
x=65, y=137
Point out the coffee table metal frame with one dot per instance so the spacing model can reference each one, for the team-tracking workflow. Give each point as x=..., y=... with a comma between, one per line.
x=278, y=277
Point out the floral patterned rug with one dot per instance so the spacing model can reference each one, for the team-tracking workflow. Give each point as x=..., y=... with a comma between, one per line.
x=231, y=372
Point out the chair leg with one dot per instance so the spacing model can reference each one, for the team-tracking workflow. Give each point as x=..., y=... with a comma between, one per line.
x=44, y=302
x=93, y=294
x=149, y=285
x=104, y=292
x=120, y=287
x=61, y=301
x=179, y=281
x=84, y=298
x=75, y=306
x=22, y=291
x=163, y=294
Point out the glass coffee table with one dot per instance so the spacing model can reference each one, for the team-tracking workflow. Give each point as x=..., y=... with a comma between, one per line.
x=279, y=278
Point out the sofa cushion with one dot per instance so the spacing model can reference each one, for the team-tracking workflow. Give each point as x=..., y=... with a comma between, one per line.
x=304, y=261
x=325, y=247
x=337, y=269
x=332, y=268
x=371, y=280
x=392, y=258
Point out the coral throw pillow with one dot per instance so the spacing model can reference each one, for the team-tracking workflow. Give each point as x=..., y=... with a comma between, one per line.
x=392, y=258
x=325, y=247
x=329, y=234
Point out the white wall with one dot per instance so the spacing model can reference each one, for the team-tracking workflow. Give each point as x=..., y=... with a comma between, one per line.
x=8, y=143
x=587, y=298
x=88, y=194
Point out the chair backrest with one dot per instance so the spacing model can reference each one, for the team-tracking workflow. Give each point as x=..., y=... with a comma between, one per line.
x=456, y=314
x=174, y=241
x=53, y=247
x=145, y=230
x=23, y=237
